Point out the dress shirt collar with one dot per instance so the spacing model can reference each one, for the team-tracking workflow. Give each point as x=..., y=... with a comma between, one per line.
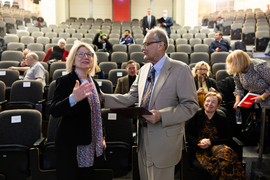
x=159, y=65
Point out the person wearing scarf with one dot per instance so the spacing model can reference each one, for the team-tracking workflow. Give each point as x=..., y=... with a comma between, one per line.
x=79, y=137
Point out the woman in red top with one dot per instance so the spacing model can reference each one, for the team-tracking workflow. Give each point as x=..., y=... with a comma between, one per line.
x=57, y=52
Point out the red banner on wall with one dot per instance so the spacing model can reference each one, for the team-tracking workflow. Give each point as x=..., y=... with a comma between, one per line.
x=121, y=10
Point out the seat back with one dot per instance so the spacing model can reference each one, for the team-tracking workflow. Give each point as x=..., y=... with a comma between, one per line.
x=181, y=56
x=119, y=57
x=107, y=66
x=199, y=56
x=221, y=74
x=114, y=74
x=216, y=67
x=102, y=57
x=55, y=66
x=12, y=56
x=15, y=46
x=2, y=91
x=119, y=48
x=19, y=129
x=7, y=64
x=138, y=57
x=35, y=47
x=26, y=90
x=9, y=76
x=105, y=85
x=58, y=73
x=134, y=48
x=219, y=57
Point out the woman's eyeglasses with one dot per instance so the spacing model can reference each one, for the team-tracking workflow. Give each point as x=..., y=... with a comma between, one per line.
x=82, y=54
x=201, y=69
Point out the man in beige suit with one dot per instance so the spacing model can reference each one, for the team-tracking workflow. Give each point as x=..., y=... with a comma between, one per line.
x=173, y=100
x=124, y=83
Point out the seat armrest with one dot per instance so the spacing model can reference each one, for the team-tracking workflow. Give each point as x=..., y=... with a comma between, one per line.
x=42, y=101
x=238, y=148
x=39, y=142
x=3, y=102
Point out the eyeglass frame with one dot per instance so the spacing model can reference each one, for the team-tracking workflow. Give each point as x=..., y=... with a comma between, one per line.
x=85, y=53
x=146, y=44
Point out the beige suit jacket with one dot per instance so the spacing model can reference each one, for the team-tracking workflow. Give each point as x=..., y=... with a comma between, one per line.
x=174, y=95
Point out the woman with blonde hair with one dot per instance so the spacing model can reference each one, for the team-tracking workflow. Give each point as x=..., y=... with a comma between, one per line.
x=79, y=135
x=252, y=75
x=203, y=82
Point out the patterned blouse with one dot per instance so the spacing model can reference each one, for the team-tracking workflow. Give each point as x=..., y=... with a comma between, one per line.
x=255, y=80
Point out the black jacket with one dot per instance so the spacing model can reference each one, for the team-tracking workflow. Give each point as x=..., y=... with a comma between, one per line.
x=75, y=125
x=194, y=127
x=100, y=44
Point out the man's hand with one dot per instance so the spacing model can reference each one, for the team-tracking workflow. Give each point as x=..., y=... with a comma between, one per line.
x=230, y=51
x=218, y=49
x=154, y=118
x=104, y=143
x=164, y=24
x=98, y=31
x=23, y=63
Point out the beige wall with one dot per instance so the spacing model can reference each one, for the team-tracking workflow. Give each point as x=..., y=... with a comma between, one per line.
x=102, y=9
x=139, y=8
x=160, y=5
x=79, y=8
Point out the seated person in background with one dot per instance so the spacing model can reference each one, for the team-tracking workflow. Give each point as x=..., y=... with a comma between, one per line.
x=104, y=43
x=268, y=7
x=209, y=138
x=203, y=82
x=124, y=83
x=25, y=52
x=219, y=20
x=57, y=52
x=127, y=39
x=99, y=72
x=35, y=71
x=40, y=23
x=220, y=44
x=3, y=46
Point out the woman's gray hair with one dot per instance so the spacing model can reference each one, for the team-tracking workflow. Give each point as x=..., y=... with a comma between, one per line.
x=61, y=40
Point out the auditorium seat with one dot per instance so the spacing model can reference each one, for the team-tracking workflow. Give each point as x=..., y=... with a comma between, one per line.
x=119, y=142
x=15, y=46
x=27, y=39
x=184, y=48
x=221, y=74
x=105, y=85
x=119, y=48
x=201, y=48
x=248, y=35
x=216, y=67
x=107, y=66
x=138, y=57
x=199, y=56
x=25, y=94
x=19, y=130
x=261, y=40
x=181, y=56
x=119, y=57
x=219, y=57
x=11, y=38
x=134, y=48
x=12, y=56
x=102, y=57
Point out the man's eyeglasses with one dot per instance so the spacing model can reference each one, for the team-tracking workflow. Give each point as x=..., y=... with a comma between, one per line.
x=82, y=54
x=146, y=44
x=202, y=69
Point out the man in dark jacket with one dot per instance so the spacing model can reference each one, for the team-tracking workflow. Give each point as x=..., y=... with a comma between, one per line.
x=104, y=43
x=220, y=44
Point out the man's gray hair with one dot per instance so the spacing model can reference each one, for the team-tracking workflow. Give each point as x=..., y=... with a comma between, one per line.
x=161, y=35
x=33, y=55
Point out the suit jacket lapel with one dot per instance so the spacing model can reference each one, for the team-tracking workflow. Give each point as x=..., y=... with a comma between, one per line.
x=143, y=78
x=163, y=75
